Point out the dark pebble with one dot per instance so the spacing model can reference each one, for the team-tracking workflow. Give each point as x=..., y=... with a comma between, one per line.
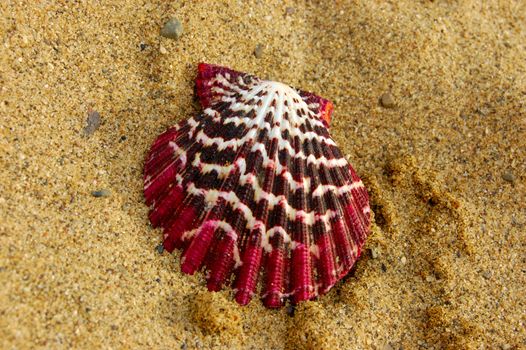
x=173, y=29
x=143, y=46
x=258, y=51
x=384, y=268
x=160, y=248
x=387, y=100
x=92, y=123
x=101, y=193
x=508, y=176
x=123, y=138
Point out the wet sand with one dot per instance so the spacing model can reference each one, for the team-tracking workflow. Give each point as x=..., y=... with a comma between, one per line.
x=445, y=265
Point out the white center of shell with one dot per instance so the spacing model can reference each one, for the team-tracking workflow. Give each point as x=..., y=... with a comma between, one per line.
x=280, y=88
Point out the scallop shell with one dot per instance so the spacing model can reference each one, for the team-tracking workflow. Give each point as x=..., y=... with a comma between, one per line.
x=254, y=190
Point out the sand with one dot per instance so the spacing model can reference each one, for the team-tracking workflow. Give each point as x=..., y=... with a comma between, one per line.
x=445, y=265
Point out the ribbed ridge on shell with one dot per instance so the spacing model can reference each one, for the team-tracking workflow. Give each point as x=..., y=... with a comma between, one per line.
x=255, y=192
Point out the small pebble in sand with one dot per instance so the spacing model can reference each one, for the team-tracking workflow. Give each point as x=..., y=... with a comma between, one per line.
x=387, y=100
x=160, y=248
x=403, y=260
x=258, y=51
x=374, y=252
x=483, y=111
x=290, y=11
x=92, y=122
x=430, y=278
x=143, y=46
x=508, y=176
x=173, y=29
x=162, y=50
x=101, y=193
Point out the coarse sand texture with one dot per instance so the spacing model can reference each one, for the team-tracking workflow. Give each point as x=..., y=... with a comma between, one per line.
x=429, y=107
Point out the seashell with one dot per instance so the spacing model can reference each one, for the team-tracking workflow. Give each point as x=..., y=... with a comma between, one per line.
x=255, y=191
